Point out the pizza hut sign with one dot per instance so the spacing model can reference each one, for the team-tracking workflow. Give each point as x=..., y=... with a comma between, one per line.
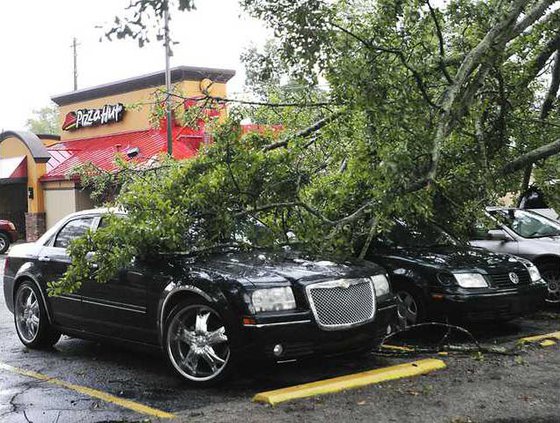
x=83, y=118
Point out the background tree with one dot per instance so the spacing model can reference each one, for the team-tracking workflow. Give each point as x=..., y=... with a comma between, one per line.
x=429, y=113
x=45, y=121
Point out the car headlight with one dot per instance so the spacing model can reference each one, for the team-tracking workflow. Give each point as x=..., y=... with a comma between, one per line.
x=381, y=284
x=470, y=280
x=273, y=299
x=533, y=271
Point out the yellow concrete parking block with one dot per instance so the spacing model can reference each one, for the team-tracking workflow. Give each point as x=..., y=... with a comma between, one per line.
x=353, y=381
x=539, y=338
x=547, y=343
x=104, y=396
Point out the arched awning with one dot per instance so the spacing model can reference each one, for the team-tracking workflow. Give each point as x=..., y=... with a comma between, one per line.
x=32, y=142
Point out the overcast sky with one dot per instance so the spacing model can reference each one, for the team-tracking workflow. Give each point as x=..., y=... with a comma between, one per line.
x=36, y=57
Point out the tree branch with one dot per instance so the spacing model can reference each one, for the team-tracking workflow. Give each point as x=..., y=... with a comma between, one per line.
x=531, y=17
x=306, y=131
x=441, y=43
x=540, y=61
x=496, y=35
x=552, y=88
x=532, y=156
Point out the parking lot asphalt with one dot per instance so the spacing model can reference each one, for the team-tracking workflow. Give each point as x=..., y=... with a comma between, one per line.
x=475, y=387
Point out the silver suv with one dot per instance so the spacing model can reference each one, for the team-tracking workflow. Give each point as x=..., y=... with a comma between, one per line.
x=526, y=234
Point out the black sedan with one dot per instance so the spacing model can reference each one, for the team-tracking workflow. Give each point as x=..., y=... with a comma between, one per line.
x=207, y=313
x=437, y=277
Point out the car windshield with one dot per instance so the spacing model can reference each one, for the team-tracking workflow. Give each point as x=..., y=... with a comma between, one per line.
x=252, y=232
x=418, y=235
x=527, y=224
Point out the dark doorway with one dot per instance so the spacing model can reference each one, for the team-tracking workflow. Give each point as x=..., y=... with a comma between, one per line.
x=13, y=204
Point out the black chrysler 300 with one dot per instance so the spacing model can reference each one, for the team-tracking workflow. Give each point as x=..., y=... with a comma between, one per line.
x=435, y=276
x=203, y=313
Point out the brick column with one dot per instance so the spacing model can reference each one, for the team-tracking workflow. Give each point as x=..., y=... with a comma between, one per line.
x=35, y=226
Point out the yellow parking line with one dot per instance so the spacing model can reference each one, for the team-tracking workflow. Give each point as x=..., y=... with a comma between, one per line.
x=131, y=405
x=356, y=380
x=538, y=338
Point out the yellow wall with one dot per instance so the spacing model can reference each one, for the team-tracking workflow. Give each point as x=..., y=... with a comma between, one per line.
x=63, y=198
x=13, y=147
x=134, y=119
x=60, y=203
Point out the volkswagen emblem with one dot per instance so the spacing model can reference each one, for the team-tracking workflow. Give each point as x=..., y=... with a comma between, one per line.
x=513, y=277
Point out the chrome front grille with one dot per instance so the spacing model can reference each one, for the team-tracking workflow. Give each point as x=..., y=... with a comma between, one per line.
x=342, y=303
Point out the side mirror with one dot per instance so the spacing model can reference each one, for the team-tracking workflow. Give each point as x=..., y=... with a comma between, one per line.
x=497, y=235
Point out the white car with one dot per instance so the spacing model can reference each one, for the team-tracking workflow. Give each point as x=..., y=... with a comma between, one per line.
x=526, y=234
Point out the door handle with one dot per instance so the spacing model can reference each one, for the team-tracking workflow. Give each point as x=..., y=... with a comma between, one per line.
x=44, y=258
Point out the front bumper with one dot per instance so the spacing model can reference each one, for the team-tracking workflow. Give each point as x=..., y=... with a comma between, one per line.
x=300, y=336
x=503, y=304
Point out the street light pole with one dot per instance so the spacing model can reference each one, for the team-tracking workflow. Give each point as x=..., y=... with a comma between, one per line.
x=168, y=81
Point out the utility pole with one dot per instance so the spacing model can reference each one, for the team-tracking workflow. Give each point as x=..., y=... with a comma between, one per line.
x=75, y=50
x=168, y=80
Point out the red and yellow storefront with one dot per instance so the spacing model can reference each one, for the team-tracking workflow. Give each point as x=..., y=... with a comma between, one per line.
x=98, y=123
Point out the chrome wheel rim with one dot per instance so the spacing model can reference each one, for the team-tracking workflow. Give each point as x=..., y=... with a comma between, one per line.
x=197, y=343
x=3, y=243
x=407, y=309
x=27, y=314
x=552, y=278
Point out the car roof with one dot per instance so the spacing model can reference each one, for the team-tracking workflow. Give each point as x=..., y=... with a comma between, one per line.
x=495, y=208
x=97, y=211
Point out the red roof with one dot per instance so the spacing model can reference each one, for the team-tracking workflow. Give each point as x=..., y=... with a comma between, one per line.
x=102, y=151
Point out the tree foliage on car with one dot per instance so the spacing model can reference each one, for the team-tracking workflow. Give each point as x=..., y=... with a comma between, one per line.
x=429, y=113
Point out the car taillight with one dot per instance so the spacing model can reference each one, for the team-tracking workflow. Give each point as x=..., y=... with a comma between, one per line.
x=11, y=226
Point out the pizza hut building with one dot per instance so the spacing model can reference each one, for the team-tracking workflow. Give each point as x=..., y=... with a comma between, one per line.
x=36, y=184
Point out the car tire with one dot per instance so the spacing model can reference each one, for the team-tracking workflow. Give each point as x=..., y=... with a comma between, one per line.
x=550, y=272
x=31, y=320
x=196, y=343
x=4, y=243
x=411, y=308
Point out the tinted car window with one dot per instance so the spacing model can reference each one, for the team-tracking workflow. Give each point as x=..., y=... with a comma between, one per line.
x=72, y=230
x=527, y=224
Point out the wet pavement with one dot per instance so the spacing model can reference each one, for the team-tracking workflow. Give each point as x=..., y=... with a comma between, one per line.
x=528, y=379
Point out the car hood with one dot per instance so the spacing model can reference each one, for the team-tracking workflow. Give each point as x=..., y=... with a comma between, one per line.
x=453, y=258
x=258, y=267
